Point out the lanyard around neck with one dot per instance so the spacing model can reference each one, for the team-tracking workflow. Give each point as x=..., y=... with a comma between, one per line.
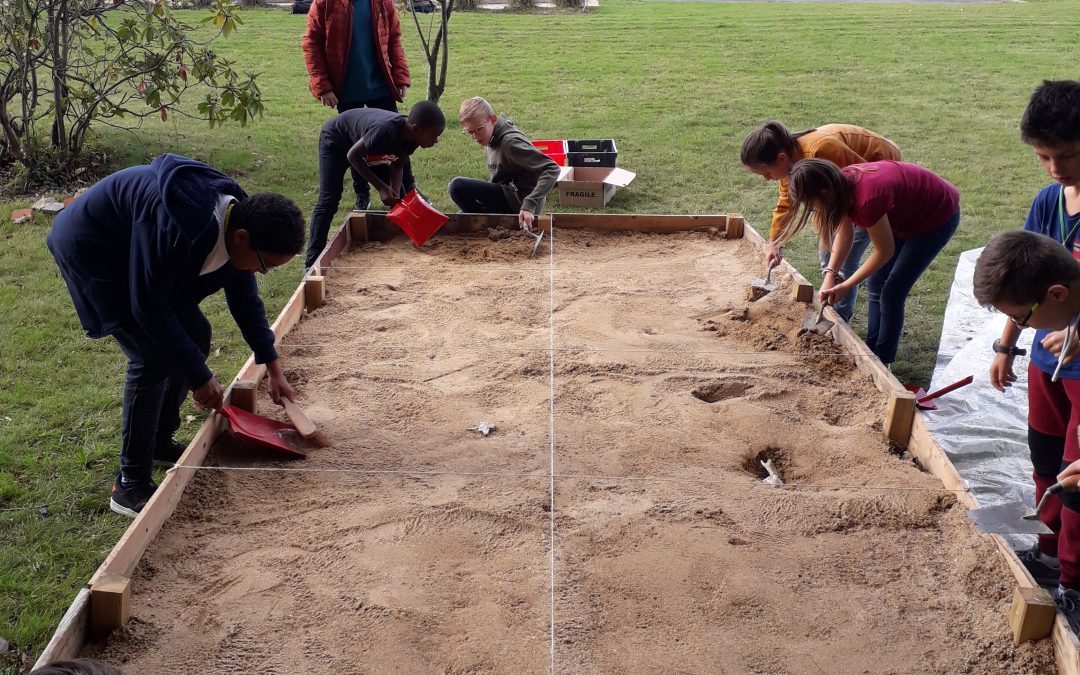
x=1061, y=219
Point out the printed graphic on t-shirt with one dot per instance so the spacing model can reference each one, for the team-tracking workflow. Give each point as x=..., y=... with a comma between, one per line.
x=375, y=160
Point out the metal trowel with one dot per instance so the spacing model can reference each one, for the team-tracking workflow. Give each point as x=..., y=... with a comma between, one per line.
x=1010, y=518
x=537, y=238
x=815, y=322
x=759, y=288
x=1017, y=517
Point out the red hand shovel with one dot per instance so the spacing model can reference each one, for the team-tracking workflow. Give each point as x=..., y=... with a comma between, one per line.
x=263, y=431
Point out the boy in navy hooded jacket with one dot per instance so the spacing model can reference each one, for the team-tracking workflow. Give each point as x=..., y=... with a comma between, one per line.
x=139, y=251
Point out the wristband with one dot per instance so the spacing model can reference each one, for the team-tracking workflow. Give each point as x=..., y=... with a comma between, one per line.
x=1011, y=351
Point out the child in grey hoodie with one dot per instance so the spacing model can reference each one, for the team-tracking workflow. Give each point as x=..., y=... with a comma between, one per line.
x=521, y=175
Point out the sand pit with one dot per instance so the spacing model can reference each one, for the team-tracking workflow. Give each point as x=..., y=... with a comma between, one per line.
x=417, y=545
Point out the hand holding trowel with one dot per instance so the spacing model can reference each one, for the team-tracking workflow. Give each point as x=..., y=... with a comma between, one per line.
x=526, y=219
x=759, y=288
x=1017, y=517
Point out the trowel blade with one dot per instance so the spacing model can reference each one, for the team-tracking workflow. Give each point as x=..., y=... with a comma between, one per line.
x=539, y=238
x=1007, y=519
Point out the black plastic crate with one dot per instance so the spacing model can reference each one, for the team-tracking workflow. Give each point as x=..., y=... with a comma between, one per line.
x=591, y=153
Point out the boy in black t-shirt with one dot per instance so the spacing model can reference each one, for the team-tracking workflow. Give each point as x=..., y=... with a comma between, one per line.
x=377, y=144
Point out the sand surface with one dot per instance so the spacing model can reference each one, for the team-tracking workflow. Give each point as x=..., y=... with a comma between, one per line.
x=414, y=545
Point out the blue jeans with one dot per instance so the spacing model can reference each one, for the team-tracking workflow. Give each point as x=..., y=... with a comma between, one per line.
x=889, y=287
x=846, y=307
x=154, y=390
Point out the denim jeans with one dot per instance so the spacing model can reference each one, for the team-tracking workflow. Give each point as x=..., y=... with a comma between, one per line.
x=154, y=390
x=889, y=287
x=360, y=186
x=846, y=307
x=333, y=163
x=479, y=196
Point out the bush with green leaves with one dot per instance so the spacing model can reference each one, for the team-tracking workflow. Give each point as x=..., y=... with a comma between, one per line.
x=69, y=65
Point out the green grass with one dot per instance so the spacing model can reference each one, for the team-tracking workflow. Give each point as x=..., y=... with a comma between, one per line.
x=678, y=85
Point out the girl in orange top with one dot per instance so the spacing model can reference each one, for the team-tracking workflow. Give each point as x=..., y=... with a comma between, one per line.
x=770, y=150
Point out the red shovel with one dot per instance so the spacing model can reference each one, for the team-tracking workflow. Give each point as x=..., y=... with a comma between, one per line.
x=416, y=217
x=924, y=401
x=263, y=431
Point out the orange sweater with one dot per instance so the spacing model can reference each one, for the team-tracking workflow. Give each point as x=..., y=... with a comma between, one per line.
x=841, y=144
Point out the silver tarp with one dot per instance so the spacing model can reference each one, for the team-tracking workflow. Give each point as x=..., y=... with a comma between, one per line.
x=983, y=431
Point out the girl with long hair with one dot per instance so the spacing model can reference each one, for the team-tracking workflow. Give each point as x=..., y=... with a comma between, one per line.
x=909, y=212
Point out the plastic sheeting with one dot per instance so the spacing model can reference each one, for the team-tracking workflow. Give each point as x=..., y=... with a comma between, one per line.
x=983, y=431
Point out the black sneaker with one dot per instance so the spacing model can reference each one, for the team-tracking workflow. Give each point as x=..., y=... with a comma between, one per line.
x=129, y=500
x=1068, y=601
x=169, y=452
x=1045, y=569
x=363, y=205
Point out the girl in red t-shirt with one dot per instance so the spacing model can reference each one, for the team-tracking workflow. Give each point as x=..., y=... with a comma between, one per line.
x=910, y=214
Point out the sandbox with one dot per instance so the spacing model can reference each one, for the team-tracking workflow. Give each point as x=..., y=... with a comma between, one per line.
x=615, y=519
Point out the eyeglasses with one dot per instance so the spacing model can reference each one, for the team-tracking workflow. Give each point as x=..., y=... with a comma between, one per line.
x=473, y=132
x=1024, y=322
x=262, y=263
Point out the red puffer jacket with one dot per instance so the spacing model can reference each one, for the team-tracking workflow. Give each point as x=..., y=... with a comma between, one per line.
x=328, y=39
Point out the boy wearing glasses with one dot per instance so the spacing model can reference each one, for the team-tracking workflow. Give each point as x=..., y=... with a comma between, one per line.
x=1035, y=281
x=139, y=251
x=1051, y=126
x=521, y=175
x=377, y=145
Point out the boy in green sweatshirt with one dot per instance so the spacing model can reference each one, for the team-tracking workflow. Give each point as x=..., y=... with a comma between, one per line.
x=521, y=175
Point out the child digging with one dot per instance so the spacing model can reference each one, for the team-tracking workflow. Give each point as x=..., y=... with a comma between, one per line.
x=377, y=144
x=1051, y=126
x=770, y=151
x=139, y=251
x=910, y=214
x=1035, y=281
x=521, y=175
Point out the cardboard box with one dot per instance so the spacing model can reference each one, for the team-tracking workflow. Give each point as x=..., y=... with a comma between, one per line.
x=591, y=153
x=590, y=186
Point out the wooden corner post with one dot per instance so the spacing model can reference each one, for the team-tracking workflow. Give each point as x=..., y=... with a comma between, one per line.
x=110, y=604
x=314, y=292
x=243, y=395
x=1032, y=614
x=358, y=229
x=899, y=417
x=734, y=227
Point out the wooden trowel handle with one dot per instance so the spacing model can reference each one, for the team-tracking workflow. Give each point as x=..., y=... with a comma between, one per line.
x=299, y=419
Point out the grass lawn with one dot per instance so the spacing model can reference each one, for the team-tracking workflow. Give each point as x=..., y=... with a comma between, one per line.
x=678, y=85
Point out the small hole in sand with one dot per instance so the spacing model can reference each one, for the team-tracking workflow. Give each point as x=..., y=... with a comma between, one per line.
x=752, y=463
x=719, y=390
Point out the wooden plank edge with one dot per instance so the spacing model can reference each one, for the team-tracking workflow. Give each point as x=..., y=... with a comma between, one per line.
x=1066, y=647
x=640, y=222
x=70, y=634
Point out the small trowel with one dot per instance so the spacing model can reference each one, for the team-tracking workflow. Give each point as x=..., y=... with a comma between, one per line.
x=815, y=322
x=759, y=288
x=537, y=238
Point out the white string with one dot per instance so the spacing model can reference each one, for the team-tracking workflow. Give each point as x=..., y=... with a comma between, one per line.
x=551, y=433
x=586, y=350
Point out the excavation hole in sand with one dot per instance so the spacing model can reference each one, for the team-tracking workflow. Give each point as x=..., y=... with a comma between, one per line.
x=721, y=390
x=752, y=463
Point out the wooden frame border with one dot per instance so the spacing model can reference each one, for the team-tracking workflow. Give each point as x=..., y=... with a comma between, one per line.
x=359, y=227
